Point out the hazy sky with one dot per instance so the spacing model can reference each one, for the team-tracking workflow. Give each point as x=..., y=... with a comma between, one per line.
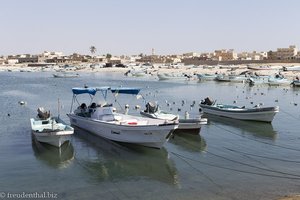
x=136, y=26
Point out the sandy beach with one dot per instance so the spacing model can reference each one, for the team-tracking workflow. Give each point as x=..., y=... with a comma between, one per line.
x=157, y=68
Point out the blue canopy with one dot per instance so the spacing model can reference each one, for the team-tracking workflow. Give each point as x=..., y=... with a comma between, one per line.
x=125, y=90
x=93, y=90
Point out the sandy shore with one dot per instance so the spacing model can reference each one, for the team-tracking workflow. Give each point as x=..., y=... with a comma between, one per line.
x=154, y=70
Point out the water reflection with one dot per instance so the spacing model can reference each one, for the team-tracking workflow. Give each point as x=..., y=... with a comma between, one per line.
x=107, y=160
x=257, y=129
x=189, y=142
x=53, y=156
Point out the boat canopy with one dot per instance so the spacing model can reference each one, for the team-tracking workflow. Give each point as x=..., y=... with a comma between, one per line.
x=93, y=90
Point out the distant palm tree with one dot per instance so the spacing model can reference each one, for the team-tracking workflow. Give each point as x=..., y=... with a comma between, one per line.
x=93, y=49
x=108, y=56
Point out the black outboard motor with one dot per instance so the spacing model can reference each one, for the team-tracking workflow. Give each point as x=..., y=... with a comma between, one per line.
x=207, y=101
x=151, y=107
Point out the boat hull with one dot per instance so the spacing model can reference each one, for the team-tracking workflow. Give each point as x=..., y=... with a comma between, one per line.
x=256, y=114
x=206, y=77
x=185, y=125
x=53, y=138
x=52, y=133
x=146, y=135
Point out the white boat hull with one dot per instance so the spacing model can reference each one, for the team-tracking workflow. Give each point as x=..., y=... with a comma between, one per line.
x=145, y=135
x=55, y=139
x=52, y=133
x=188, y=125
x=163, y=77
x=264, y=116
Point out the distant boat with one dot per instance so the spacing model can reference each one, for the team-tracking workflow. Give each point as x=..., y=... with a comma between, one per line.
x=206, y=77
x=296, y=83
x=166, y=76
x=265, y=67
x=263, y=114
x=231, y=78
x=51, y=130
x=291, y=68
x=65, y=75
x=277, y=81
x=256, y=80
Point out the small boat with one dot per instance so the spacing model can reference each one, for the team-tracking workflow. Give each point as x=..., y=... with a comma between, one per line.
x=103, y=120
x=291, y=68
x=264, y=114
x=296, y=83
x=65, y=75
x=231, y=78
x=206, y=77
x=166, y=76
x=265, y=67
x=51, y=130
x=136, y=73
x=277, y=81
x=192, y=125
x=256, y=80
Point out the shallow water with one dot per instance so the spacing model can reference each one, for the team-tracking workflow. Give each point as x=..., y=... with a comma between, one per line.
x=230, y=160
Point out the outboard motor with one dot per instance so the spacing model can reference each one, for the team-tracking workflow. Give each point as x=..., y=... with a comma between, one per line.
x=207, y=101
x=42, y=113
x=151, y=107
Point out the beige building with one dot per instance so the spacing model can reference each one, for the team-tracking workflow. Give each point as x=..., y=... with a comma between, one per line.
x=224, y=55
x=190, y=55
x=287, y=53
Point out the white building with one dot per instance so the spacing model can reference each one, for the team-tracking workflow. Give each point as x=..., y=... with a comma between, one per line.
x=287, y=53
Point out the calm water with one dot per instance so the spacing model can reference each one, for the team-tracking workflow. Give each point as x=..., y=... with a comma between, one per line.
x=230, y=160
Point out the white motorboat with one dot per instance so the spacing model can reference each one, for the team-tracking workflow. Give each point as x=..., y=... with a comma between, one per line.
x=192, y=125
x=231, y=78
x=172, y=76
x=291, y=68
x=104, y=121
x=264, y=114
x=51, y=130
x=207, y=77
x=65, y=75
x=296, y=83
x=277, y=81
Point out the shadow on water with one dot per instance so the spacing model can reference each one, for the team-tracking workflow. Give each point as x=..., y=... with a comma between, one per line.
x=113, y=161
x=189, y=142
x=256, y=129
x=53, y=156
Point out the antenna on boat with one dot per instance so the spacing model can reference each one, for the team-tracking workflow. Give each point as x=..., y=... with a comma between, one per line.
x=58, y=104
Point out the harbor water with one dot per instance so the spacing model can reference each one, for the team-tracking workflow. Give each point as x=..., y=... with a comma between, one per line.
x=230, y=159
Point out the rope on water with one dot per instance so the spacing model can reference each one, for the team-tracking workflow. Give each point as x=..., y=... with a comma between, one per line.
x=270, y=158
x=289, y=114
x=253, y=166
x=236, y=170
x=275, y=145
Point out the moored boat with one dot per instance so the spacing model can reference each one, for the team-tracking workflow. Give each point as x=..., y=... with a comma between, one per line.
x=231, y=78
x=104, y=121
x=65, y=75
x=296, y=83
x=206, y=77
x=51, y=130
x=192, y=125
x=166, y=76
x=277, y=81
x=264, y=114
